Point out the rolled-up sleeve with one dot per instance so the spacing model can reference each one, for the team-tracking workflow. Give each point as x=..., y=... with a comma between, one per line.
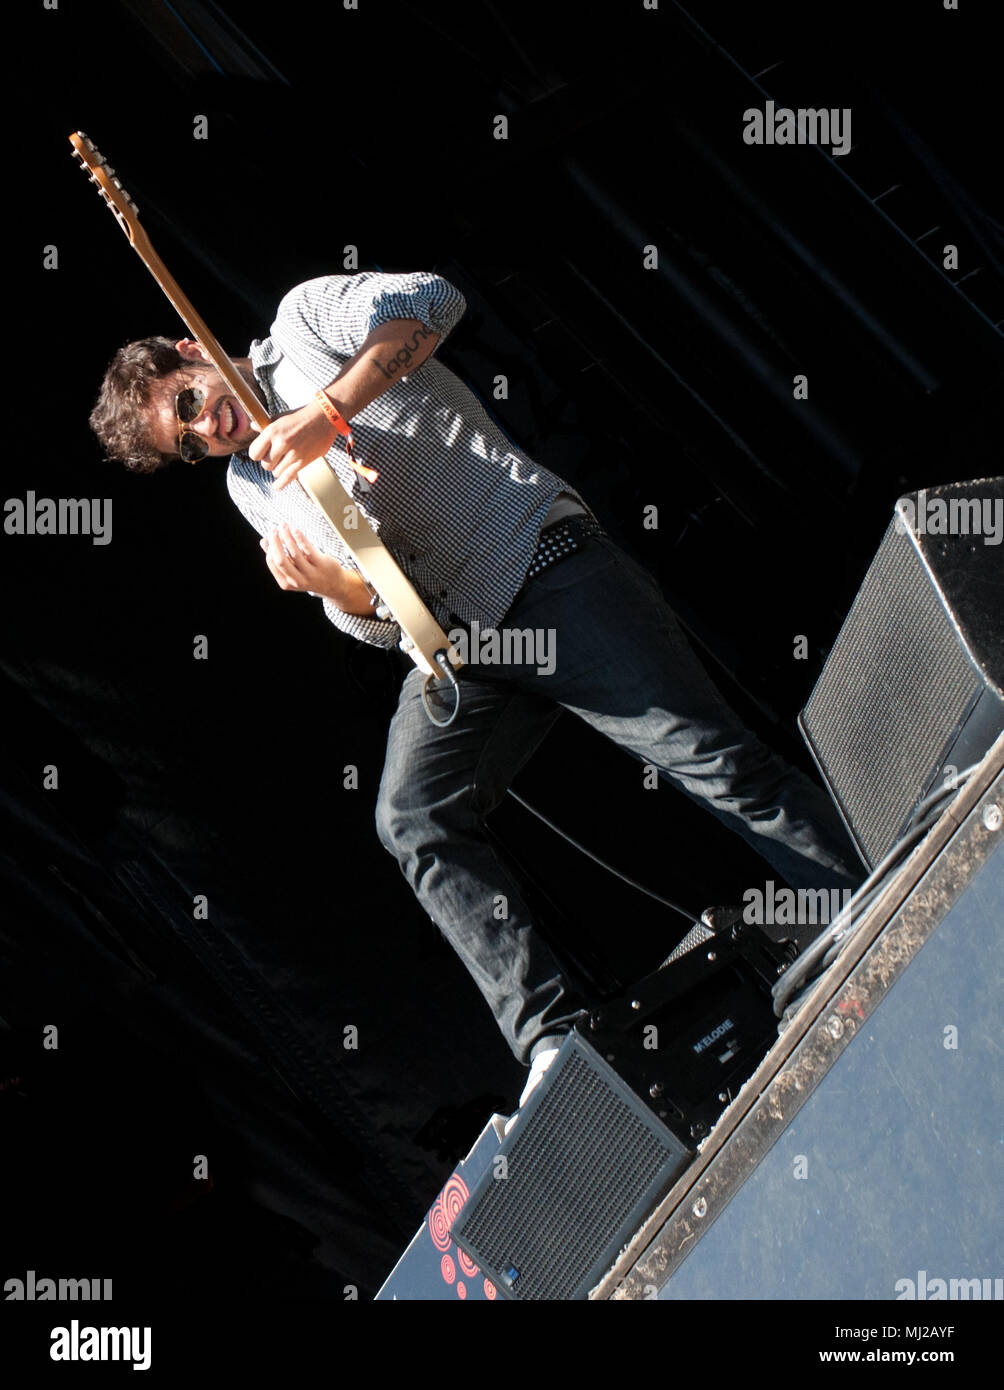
x=378, y=632
x=340, y=311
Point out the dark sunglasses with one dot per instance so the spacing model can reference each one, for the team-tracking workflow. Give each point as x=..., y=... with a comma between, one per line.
x=188, y=406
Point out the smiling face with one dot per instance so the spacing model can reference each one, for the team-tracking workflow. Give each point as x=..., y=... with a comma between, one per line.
x=223, y=423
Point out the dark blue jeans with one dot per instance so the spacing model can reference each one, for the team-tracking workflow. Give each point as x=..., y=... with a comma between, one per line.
x=622, y=663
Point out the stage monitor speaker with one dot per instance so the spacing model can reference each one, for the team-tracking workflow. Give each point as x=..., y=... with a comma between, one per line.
x=581, y=1169
x=913, y=684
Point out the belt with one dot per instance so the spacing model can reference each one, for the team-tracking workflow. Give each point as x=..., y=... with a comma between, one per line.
x=560, y=539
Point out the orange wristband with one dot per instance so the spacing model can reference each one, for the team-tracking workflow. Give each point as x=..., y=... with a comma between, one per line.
x=338, y=420
x=344, y=429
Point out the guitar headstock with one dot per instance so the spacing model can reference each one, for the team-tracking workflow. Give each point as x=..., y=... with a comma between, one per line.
x=102, y=174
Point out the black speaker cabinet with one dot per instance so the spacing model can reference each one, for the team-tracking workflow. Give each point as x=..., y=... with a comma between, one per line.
x=582, y=1168
x=914, y=684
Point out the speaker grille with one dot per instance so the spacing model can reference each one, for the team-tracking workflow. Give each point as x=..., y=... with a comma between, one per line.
x=586, y=1162
x=895, y=689
x=697, y=936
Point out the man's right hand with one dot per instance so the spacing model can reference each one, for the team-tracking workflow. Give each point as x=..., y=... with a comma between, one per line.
x=298, y=566
x=291, y=441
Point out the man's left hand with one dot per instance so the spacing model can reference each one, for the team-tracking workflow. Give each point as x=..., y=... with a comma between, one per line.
x=289, y=442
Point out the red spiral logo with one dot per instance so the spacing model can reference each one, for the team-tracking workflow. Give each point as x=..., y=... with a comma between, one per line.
x=490, y=1291
x=448, y=1269
x=453, y=1197
x=467, y=1264
x=461, y=1290
x=439, y=1227
x=445, y=1210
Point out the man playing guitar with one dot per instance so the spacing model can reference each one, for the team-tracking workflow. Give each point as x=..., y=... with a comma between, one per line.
x=485, y=535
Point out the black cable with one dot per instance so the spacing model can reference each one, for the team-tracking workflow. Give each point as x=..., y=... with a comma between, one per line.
x=603, y=865
x=843, y=925
x=831, y=944
x=443, y=662
x=864, y=895
x=933, y=798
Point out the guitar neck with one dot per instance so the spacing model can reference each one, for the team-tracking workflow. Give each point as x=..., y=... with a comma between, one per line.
x=253, y=407
x=126, y=213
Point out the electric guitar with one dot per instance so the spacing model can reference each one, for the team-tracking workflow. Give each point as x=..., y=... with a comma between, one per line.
x=422, y=637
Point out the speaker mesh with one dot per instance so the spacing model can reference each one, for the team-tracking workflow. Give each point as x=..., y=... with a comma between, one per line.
x=585, y=1165
x=894, y=690
x=697, y=936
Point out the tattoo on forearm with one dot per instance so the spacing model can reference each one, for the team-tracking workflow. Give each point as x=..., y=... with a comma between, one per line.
x=404, y=355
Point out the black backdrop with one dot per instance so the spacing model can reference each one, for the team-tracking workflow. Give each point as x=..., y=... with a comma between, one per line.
x=669, y=388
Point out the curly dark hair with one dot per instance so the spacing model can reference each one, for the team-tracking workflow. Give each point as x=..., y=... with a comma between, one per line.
x=117, y=418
